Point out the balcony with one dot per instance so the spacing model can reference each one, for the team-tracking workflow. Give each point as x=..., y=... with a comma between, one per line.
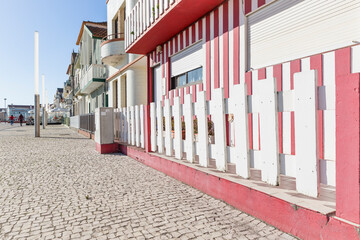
x=113, y=49
x=92, y=78
x=153, y=22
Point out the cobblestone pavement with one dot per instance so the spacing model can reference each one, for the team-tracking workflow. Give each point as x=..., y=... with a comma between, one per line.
x=58, y=187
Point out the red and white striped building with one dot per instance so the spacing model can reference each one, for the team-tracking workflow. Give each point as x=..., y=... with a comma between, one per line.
x=280, y=81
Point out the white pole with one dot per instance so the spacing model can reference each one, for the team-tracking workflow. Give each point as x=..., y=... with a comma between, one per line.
x=36, y=76
x=43, y=101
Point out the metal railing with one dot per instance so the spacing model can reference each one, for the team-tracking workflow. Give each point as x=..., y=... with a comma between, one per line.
x=87, y=122
x=119, y=36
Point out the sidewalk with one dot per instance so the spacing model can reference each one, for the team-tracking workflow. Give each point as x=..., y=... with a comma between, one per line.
x=59, y=187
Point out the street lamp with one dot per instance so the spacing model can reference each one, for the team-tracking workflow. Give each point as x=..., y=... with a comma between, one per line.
x=37, y=97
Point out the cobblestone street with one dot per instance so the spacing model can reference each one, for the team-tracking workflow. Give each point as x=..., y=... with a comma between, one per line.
x=59, y=187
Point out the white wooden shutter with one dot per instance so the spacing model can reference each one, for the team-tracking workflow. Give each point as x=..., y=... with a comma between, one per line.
x=286, y=30
x=189, y=59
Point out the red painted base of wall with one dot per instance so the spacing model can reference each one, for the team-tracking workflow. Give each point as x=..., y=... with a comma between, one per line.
x=107, y=148
x=303, y=223
x=87, y=134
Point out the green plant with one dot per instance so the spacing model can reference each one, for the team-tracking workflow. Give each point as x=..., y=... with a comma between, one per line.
x=132, y=33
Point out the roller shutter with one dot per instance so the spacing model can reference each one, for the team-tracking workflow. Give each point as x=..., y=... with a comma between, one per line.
x=286, y=30
x=189, y=59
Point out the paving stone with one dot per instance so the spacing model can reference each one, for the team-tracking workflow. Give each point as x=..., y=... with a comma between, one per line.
x=59, y=187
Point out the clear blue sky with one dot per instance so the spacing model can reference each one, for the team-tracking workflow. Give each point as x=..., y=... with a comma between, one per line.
x=58, y=23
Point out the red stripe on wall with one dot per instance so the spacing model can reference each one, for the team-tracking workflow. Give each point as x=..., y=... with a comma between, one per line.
x=316, y=63
x=248, y=81
x=236, y=65
x=292, y=133
x=260, y=3
x=182, y=40
x=250, y=123
x=295, y=66
x=200, y=29
x=168, y=71
x=176, y=44
x=201, y=87
x=194, y=93
x=226, y=49
x=247, y=6
x=182, y=95
x=343, y=62
x=176, y=92
x=187, y=37
x=208, y=59
x=187, y=90
x=262, y=74
x=172, y=97
x=277, y=74
x=193, y=33
x=216, y=49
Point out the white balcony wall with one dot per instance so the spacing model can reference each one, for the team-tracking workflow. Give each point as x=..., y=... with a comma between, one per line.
x=96, y=71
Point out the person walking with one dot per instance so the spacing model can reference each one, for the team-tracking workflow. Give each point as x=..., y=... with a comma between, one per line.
x=11, y=120
x=21, y=119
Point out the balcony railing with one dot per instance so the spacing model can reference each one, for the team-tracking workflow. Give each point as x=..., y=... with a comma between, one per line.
x=87, y=122
x=153, y=22
x=115, y=36
x=94, y=71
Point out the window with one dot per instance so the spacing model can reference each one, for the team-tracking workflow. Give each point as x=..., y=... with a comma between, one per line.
x=188, y=78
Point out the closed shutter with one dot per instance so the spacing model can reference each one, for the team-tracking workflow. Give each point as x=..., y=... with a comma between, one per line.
x=287, y=30
x=187, y=60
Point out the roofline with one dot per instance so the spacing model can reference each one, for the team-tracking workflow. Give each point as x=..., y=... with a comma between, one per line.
x=81, y=32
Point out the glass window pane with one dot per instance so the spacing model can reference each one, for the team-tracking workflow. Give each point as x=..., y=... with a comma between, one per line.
x=195, y=75
x=182, y=80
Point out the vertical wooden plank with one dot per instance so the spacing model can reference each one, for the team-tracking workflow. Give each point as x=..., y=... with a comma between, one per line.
x=168, y=133
x=128, y=125
x=242, y=159
x=132, y=111
x=137, y=126
x=189, y=128
x=142, y=126
x=123, y=116
x=267, y=102
x=178, y=128
x=156, y=9
x=203, y=138
x=166, y=4
x=152, y=11
x=220, y=129
x=160, y=115
x=153, y=126
x=307, y=164
x=161, y=6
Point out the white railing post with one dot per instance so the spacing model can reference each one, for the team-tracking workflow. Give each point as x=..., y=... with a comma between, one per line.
x=128, y=127
x=178, y=128
x=142, y=127
x=219, y=129
x=307, y=162
x=242, y=159
x=153, y=126
x=125, y=123
x=189, y=128
x=156, y=9
x=161, y=6
x=160, y=123
x=266, y=93
x=137, y=125
x=152, y=11
x=132, y=125
x=168, y=137
x=203, y=137
x=166, y=4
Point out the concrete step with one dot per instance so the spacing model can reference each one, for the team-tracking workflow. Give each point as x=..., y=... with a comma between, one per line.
x=231, y=168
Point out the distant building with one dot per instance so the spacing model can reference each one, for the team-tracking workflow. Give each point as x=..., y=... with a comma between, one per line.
x=16, y=110
x=2, y=114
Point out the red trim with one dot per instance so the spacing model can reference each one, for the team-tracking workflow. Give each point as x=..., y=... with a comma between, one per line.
x=193, y=33
x=250, y=123
x=226, y=48
x=288, y=217
x=236, y=32
x=262, y=74
x=248, y=81
x=295, y=66
x=347, y=138
x=194, y=93
x=316, y=63
x=292, y=133
x=208, y=59
x=107, y=148
x=168, y=71
x=216, y=49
